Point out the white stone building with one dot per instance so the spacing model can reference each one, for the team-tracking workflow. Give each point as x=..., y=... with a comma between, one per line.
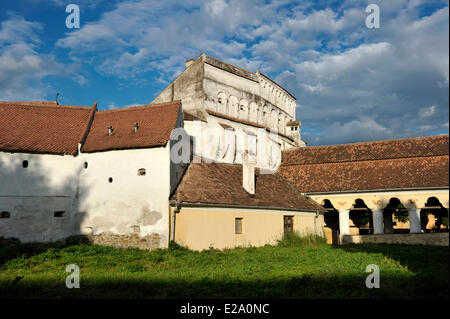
x=244, y=111
x=108, y=176
x=68, y=170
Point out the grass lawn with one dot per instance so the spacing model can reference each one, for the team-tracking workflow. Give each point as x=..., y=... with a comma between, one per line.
x=302, y=270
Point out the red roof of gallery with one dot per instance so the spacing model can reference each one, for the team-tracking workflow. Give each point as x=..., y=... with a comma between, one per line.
x=404, y=163
x=43, y=127
x=221, y=184
x=155, y=122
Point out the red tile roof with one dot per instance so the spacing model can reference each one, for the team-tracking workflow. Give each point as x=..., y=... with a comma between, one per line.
x=156, y=123
x=43, y=127
x=400, y=148
x=393, y=164
x=218, y=183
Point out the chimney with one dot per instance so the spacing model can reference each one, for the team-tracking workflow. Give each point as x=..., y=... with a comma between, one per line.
x=110, y=130
x=248, y=174
x=136, y=127
x=189, y=62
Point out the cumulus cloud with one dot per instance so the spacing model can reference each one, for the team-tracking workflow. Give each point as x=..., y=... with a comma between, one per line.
x=352, y=83
x=23, y=68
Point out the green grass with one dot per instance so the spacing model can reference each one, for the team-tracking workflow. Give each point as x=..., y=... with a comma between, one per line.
x=296, y=268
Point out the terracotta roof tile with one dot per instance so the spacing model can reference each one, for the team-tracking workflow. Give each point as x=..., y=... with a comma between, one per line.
x=394, y=164
x=400, y=148
x=420, y=172
x=42, y=127
x=218, y=183
x=156, y=123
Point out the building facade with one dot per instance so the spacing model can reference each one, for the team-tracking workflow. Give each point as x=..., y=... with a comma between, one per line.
x=228, y=109
x=246, y=178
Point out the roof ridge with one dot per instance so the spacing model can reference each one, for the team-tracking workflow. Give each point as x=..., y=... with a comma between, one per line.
x=369, y=142
x=58, y=106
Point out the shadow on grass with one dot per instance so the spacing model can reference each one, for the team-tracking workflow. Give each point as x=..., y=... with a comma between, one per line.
x=398, y=287
x=428, y=278
x=415, y=258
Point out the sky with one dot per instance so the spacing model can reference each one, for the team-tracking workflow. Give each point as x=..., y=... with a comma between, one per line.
x=352, y=83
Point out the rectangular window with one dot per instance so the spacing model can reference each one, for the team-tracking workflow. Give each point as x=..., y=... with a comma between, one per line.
x=238, y=226
x=288, y=224
x=59, y=214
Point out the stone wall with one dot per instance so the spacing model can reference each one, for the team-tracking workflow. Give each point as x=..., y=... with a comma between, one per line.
x=118, y=241
x=432, y=239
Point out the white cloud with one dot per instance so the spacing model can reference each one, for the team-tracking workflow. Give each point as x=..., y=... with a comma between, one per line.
x=427, y=111
x=22, y=68
x=350, y=81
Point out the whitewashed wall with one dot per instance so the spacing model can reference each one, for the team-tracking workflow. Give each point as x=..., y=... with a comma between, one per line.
x=32, y=195
x=130, y=203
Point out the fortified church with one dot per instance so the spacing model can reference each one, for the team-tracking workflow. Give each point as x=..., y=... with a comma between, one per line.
x=245, y=176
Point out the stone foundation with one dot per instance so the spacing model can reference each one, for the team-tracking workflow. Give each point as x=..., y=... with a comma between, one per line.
x=432, y=239
x=118, y=241
x=106, y=239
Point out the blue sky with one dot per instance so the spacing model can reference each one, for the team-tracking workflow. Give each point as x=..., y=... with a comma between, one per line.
x=351, y=83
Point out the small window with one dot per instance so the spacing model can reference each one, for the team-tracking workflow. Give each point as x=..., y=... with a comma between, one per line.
x=238, y=226
x=288, y=224
x=25, y=164
x=85, y=165
x=59, y=214
x=4, y=215
x=110, y=180
x=141, y=172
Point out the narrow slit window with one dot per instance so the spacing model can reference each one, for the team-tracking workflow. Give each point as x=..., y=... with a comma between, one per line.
x=85, y=165
x=25, y=164
x=238, y=226
x=59, y=214
x=4, y=215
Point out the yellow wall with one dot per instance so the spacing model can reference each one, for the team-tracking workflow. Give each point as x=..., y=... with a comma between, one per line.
x=201, y=228
x=379, y=200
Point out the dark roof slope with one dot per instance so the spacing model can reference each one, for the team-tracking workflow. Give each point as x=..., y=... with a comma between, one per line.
x=43, y=127
x=156, y=123
x=393, y=164
x=218, y=183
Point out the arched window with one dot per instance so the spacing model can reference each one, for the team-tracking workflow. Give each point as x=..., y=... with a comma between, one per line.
x=243, y=109
x=222, y=103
